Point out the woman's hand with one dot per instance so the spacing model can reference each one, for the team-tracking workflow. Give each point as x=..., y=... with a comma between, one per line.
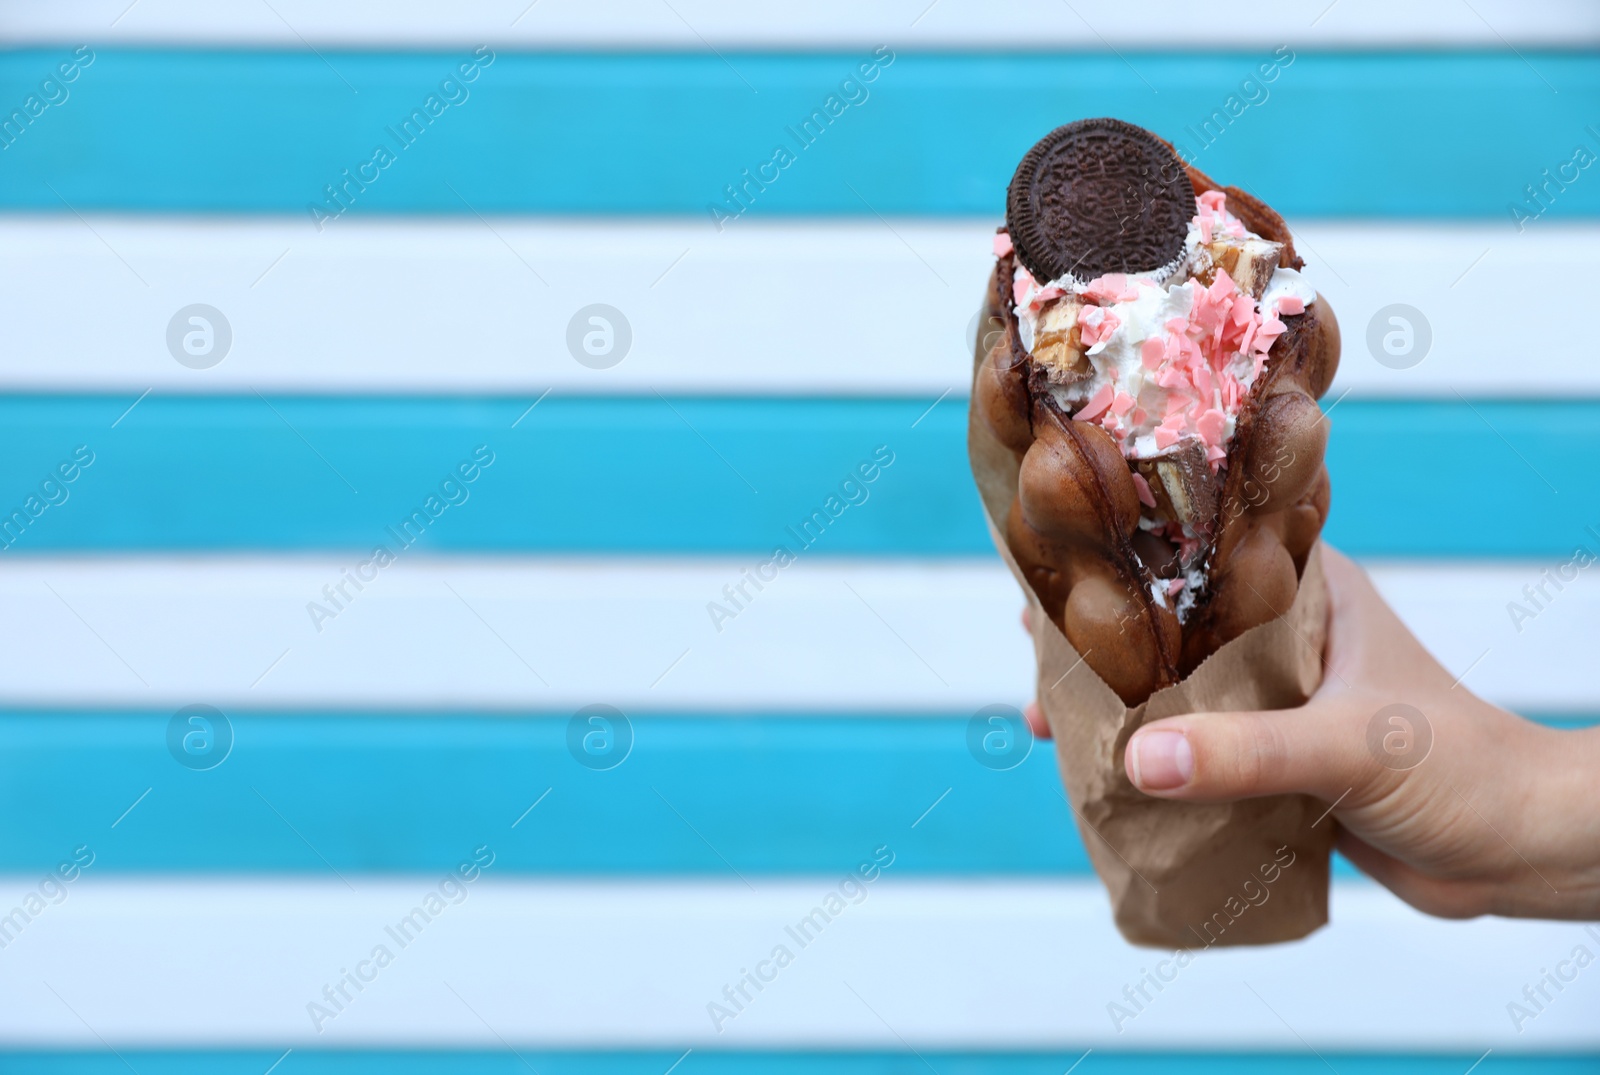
x=1457, y=806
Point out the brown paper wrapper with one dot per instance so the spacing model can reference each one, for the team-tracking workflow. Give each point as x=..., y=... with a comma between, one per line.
x=1181, y=875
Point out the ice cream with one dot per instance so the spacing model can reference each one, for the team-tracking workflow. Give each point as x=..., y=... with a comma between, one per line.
x=1157, y=377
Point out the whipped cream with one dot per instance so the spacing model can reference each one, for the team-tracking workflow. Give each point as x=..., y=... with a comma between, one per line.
x=1287, y=283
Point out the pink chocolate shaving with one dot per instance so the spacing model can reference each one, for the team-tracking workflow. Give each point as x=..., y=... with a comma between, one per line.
x=1096, y=324
x=1146, y=497
x=1097, y=404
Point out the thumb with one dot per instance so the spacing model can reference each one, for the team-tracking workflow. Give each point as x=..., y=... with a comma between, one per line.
x=1216, y=757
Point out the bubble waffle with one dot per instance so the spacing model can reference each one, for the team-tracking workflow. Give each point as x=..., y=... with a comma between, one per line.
x=1161, y=406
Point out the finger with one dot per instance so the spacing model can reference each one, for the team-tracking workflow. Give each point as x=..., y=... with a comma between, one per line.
x=1435, y=896
x=1365, y=637
x=1353, y=603
x=1218, y=757
x=1036, y=722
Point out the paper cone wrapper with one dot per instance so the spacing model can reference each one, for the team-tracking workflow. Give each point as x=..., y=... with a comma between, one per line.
x=1181, y=875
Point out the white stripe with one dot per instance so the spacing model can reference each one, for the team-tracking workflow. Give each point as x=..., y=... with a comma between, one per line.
x=600, y=630
x=697, y=24
x=814, y=307
x=1003, y=964
x=825, y=634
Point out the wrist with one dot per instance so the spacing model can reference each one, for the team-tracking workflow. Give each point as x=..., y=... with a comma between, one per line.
x=1562, y=820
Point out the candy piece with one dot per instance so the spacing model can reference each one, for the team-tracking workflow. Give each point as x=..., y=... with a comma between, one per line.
x=1099, y=196
x=1002, y=244
x=1058, y=346
x=1249, y=261
x=1184, y=486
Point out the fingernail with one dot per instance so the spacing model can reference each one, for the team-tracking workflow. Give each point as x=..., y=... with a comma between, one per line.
x=1162, y=760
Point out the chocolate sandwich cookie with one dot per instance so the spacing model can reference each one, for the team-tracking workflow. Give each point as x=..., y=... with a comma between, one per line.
x=1099, y=196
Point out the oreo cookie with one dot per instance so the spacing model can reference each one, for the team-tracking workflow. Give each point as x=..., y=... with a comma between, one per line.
x=1099, y=196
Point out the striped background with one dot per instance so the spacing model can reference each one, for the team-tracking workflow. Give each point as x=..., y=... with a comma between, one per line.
x=373, y=749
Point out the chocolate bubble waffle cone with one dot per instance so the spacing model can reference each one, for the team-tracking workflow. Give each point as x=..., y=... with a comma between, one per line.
x=1147, y=443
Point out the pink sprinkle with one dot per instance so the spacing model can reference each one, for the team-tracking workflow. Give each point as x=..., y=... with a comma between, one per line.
x=1021, y=286
x=1214, y=200
x=1291, y=304
x=1175, y=586
x=1110, y=288
x=1210, y=426
x=1097, y=324
x=1230, y=391
x=1146, y=497
x=1187, y=546
x=1138, y=417
x=1152, y=351
x=1165, y=438
x=1097, y=404
x=1205, y=230
x=1121, y=404
x=1271, y=329
x=1002, y=244
x=1048, y=292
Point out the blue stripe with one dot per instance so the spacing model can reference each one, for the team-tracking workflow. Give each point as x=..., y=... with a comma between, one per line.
x=637, y=475
x=772, y=795
x=1339, y=134
x=715, y=1062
